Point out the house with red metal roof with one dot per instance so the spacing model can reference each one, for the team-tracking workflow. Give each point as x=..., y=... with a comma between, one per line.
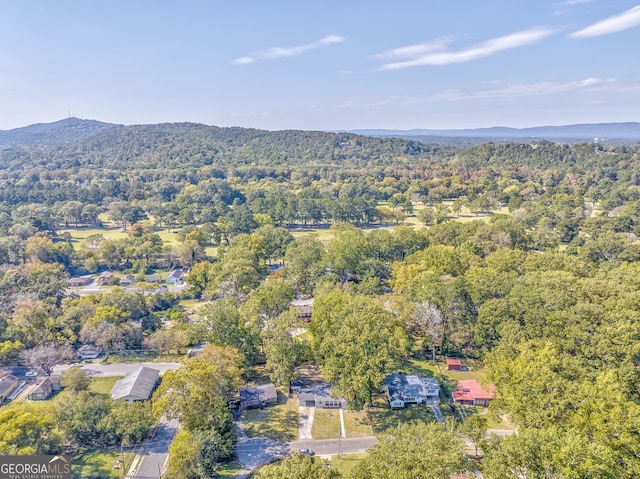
x=470, y=393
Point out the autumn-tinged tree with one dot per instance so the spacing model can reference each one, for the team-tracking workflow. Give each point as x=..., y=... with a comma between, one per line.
x=46, y=356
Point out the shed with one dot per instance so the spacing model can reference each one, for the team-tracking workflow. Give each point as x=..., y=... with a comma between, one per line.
x=454, y=365
x=153, y=278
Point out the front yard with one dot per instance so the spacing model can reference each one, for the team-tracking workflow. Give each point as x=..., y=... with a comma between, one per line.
x=99, y=464
x=384, y=418
x=278, y=422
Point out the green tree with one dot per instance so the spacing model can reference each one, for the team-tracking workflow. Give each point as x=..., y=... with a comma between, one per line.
x=75, y=379
x=27, y=429
x=475, y=427
x=356, y=342
x=299, y=467
x=423, y=450
x=196, y=393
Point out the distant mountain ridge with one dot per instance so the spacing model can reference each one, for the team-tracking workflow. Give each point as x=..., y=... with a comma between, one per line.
x=587, y=131
x=58, y=132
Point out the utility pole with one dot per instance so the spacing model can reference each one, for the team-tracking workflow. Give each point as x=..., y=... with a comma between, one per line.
x=123, y=464
x=339, y=437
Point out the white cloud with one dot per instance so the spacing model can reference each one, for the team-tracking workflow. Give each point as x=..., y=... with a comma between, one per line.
x=527, y=89
x=411, y=51
x=571, y=3
x=281, y=52
x=616, y=23
x=484, y=49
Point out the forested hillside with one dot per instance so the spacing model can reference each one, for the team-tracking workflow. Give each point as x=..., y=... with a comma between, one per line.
x=520, y=258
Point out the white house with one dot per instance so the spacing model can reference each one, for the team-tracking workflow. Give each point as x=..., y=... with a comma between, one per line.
x=175, y=277
x=89, y=351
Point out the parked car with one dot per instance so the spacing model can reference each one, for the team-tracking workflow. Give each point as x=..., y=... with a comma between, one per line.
x=306, y=452
x=31, y=375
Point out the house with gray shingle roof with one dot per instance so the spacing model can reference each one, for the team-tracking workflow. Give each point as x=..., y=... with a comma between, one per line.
x=137, y=385
x=402, y=389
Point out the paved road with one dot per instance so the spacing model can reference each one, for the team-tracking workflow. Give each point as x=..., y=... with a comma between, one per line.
x=152, y=458
x=117, y=369
x=331, y=447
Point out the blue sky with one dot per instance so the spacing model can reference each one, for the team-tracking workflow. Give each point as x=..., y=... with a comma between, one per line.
x=321, y=64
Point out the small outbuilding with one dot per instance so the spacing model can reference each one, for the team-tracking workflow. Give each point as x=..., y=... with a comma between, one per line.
x=153, y=278
x=137, y=385
x=454, y=365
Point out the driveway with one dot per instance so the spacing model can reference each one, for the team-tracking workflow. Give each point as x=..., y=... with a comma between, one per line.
x=306, y=416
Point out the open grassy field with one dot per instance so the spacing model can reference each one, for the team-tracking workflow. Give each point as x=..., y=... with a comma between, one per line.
x=229, y=470
x=98, y=464
x=279, y=422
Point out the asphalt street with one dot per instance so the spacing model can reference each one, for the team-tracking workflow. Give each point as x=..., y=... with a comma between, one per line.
x=154, y=454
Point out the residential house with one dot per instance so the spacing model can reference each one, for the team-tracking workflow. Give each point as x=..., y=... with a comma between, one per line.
x=89, y=351
x=303, y=308
x=402, y=389
x=258, y=396
x=136, y=386
x=104, y=278
x=7, y=384
x=454, y=365
x=45, y=388
x=319, y=396
x=175, y=277
x=153, y=278
x=79, y=281
x=127, y=280
x=470, y=393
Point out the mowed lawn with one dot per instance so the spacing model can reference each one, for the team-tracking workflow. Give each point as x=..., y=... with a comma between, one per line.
x=279, y=422
x=326, y=424
x=347, y=462
x=100, y=463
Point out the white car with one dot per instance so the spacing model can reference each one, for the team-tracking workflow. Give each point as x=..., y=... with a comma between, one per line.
x=31, y=375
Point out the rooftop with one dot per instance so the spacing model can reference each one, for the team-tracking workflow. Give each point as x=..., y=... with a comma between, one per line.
x=137, y=385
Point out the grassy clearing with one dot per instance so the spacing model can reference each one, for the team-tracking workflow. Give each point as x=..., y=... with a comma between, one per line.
x=279, y=422
x=99, y=464
x=103, y=385
x=356, y=425
x=326, y=424
x=347, y=462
